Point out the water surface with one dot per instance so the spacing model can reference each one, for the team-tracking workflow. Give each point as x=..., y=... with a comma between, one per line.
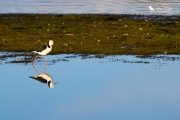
x=92, y=88
x=88, y=6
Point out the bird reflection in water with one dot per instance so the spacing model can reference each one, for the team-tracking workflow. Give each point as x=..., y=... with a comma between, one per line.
x=43, y=77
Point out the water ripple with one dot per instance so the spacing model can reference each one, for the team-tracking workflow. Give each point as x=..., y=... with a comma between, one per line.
x=86, y=6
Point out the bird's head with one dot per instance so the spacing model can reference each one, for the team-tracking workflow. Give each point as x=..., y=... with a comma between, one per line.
x=51, y=85
x=51, y=42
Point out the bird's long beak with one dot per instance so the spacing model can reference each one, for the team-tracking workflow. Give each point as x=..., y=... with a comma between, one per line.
x=56, y=83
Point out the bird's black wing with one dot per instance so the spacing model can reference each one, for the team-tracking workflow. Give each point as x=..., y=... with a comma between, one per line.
x=41, y=48
x=40, y=79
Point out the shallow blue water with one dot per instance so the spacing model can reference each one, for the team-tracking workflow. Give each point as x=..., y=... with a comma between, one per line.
x=113, y=87
x=89, y=6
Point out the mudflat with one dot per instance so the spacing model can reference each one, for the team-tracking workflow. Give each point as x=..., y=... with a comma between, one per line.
x=91, y=33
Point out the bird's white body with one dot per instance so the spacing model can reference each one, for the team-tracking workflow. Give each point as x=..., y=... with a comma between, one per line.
x=44, y=78
x=46, y=50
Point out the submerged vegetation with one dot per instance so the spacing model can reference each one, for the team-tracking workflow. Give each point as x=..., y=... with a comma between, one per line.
x=91, y=33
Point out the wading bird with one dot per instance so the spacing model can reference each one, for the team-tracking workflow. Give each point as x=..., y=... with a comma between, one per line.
x=43, y=51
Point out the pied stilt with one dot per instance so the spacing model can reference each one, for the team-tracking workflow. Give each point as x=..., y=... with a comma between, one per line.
x=43, y=51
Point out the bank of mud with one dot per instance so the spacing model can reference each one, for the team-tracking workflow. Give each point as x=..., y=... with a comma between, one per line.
x=91, y=33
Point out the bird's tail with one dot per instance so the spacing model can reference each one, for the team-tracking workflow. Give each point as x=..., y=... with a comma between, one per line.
x=34, y=51
x=34, y=77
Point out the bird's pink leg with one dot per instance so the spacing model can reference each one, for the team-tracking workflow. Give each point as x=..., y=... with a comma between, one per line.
x=34, y=59
x=45, y=68
x=33, y=64
x=45, y=61
x=36, y=69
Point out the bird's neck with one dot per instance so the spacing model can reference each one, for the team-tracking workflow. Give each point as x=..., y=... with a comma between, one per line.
x=49, y=82
x=49, y=46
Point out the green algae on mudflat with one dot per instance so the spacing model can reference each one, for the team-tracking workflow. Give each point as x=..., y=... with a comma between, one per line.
x=91, y=33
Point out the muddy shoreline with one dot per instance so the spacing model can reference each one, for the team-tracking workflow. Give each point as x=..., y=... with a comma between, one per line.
x=27, y=57
x=109, y=34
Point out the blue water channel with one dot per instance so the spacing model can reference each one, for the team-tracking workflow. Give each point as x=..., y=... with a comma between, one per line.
x=91, y=87
x=161, y=7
